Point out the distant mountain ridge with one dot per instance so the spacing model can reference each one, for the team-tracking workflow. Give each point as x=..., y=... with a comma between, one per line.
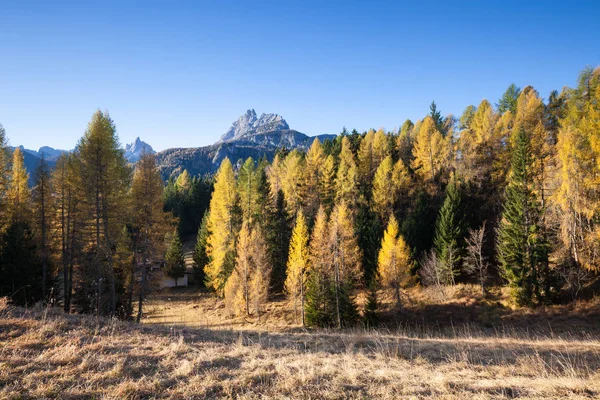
x=248, y=136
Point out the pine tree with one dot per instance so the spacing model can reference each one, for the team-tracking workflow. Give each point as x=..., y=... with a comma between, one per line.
x=201, y=260
x=297, y=264
x=277, y=232
x=220, y=245
x=436, y=117
x=521, y=249
x=393, y=259
x=449, y=232
x=174, y=258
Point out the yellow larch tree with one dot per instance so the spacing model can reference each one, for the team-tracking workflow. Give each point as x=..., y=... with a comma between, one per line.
x=297, y=265
x=383, y=191
x=393, y=261
x=18, y=196
x=365, y=167
x=327, y=183
x=346, y=179
x=430, y=151
x=314, y=175
x=220, y=244
x=381, y=147
x=293, y=181
x=345, y=257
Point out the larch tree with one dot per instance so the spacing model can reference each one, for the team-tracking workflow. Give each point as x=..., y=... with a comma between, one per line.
x=578, y=153
x=293, y=182
x=103, y=177
x=430, y=151
x=346, y=262
x=404, y=142
x=248, y=191
x=149, y=224
x=366, y=166
x=346, y=179
x=320, y=304
x=220, y=245
x=393, y=261
x=315, y=173
x=246, y=289
x=42, y=207
x=522, y=250
x=18, y=196
x=327, y=183
x=4, y=158
x=297, y=265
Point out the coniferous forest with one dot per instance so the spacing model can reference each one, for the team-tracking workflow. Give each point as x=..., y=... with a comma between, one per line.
x=504, y=195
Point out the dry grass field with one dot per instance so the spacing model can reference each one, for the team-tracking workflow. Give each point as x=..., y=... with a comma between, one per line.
x=45, y=354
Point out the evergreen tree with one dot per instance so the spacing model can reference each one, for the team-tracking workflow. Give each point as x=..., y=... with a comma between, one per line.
x=521, y=249
x=174, y=258
x=449, y=232
x=278, y=233
x=436, y=117
x=371, y=314
x=201, y=260
x=508, y=101
x=297, y=265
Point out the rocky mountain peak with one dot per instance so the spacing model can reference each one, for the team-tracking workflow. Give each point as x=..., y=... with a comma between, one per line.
x=135, y=150
x=248, y=124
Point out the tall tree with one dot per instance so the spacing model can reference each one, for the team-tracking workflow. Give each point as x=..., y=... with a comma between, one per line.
x=18, y=194
x=248, y=191
x=346, y=262
x=393, y=259
x=297, y=265
x=316, y=172
x=149, y=223
x=103, y=177
x=522, y=250
x=42, y=194
x=449, y=231
x=220, y=245
x=201, y=260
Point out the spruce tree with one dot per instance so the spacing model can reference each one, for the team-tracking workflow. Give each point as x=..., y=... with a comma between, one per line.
x=371, y=313
x=200, y=257
x=522, y=251
x=174, y=259
x=449, y=232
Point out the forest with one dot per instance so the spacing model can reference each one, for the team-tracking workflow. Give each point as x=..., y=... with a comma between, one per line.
x=506, y=195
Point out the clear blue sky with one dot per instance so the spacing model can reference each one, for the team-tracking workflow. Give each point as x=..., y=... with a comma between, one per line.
x=178, y=73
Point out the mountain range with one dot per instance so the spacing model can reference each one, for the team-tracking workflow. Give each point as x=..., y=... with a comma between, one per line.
x=249, y=136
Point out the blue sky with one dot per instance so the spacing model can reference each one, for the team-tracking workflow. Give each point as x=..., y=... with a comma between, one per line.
x=178, y=73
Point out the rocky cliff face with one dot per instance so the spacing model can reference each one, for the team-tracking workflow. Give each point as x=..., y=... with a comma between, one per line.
x=249, y=125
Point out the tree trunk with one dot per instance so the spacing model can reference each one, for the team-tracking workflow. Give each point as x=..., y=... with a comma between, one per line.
x=141, y=298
